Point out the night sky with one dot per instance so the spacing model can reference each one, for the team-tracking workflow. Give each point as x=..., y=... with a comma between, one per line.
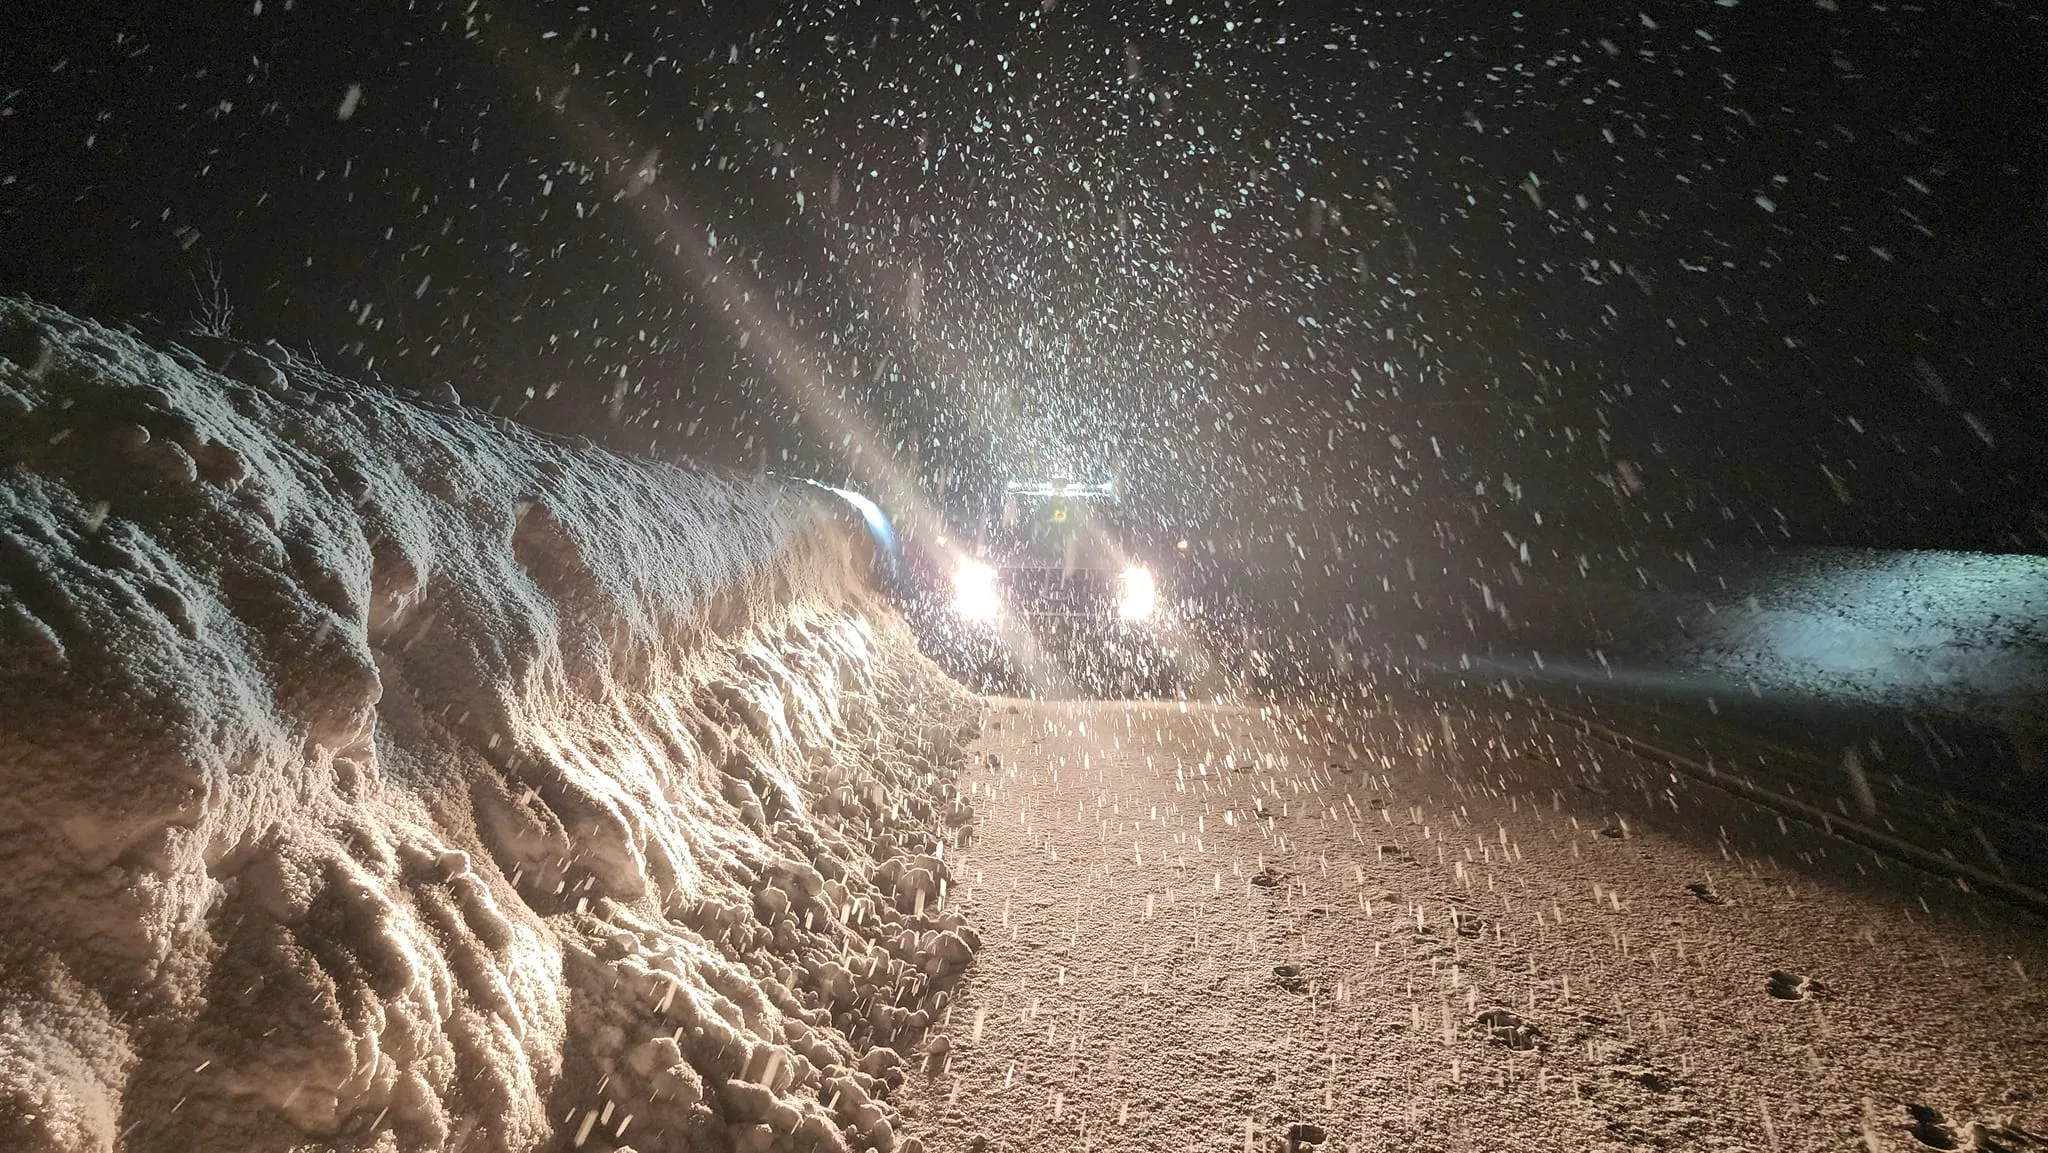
x=1340, y=277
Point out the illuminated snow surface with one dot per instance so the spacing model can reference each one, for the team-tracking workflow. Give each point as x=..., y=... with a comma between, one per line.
x=1957, y=632
x=1889, y=626
x=381, y=776
x=1435, y=926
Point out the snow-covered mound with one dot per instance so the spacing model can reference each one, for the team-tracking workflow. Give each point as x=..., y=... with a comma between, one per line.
x=378, y=776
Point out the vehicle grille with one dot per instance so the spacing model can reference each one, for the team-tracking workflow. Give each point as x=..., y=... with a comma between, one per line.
x=1053, y=592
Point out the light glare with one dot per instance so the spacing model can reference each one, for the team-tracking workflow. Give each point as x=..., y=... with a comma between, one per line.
x=975, y=595
x=1140, y=595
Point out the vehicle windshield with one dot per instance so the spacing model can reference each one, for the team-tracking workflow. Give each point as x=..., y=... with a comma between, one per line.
x=1069, y=532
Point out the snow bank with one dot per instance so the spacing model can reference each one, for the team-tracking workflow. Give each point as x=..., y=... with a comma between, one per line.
x=381, y=777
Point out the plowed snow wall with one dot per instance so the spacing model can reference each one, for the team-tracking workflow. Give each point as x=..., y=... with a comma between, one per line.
x=377, y=775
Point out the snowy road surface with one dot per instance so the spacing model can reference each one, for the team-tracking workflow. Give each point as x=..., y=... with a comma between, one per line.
x=1414, y=928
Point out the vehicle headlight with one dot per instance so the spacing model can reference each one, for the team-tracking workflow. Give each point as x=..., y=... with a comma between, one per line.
x=976, y=596
x=1139, y=597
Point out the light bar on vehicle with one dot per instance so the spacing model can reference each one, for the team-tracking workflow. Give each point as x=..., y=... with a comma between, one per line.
x=1099, y=490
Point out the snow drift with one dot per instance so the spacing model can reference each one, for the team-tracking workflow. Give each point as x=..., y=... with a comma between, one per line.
x=379, y=776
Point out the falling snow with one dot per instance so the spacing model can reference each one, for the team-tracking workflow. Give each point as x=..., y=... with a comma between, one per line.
x=1595, y=458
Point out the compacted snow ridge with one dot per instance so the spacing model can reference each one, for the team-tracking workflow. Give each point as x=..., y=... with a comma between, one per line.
x=381, y=776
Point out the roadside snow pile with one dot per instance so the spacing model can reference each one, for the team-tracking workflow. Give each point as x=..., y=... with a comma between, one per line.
x=380, y=777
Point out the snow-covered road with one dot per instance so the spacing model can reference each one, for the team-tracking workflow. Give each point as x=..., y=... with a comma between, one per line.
x=1411, y=926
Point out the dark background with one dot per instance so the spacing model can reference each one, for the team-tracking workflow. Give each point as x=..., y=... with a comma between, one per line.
x=1332, y=289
